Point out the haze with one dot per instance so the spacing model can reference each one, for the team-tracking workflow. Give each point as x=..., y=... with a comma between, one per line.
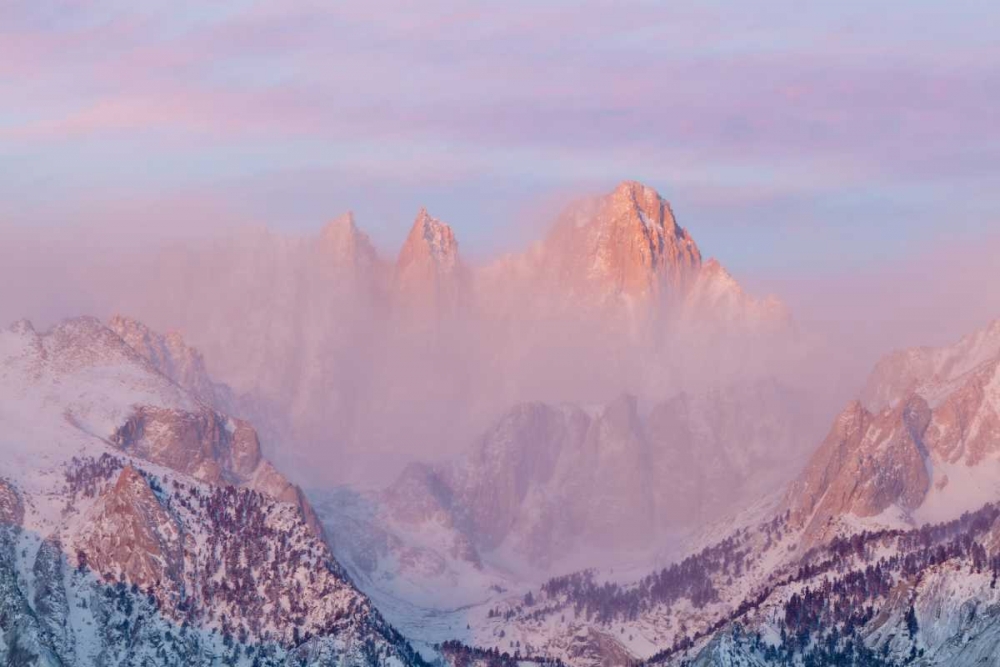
x=179, y=166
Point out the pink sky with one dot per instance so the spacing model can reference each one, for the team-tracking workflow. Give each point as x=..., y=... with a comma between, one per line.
x=782, y=137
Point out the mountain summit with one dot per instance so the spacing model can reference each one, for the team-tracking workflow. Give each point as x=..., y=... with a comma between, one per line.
x=348, y=245
x=428, y=270
x=626, y=244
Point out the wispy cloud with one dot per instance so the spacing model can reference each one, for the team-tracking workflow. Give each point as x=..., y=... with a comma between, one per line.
x=796, y=113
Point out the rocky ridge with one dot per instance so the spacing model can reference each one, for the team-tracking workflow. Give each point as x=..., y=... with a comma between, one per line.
x=136, y=528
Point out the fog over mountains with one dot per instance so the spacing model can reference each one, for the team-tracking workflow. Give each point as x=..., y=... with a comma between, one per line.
x=347, y=353
x=602, y=450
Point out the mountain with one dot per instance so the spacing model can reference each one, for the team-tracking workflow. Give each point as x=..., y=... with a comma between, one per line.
x=429, y=279
x=341, y=353
x=623, y=255
x=549, y=488
x=625, y=245
x=928, y=370
x=885, y=550
x=174, y=358
x=931, y=451
x=216, y=449
x=139, y=525
x=349, y=249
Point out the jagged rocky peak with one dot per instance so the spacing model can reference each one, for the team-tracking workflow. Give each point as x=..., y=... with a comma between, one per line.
x=868, y=463
x=640, y=224
x=922, y=442
x=430, y=243
x=626, y=243
x=347, y=243
x=428, y=276
x=634, y=202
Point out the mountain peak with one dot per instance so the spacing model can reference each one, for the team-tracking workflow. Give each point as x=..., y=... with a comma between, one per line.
x=643, y=203
x=428, y=267
x=342, y=224
x=430, y=239
x=348, y=244
x=171, y=355
x=624, y=244
x=929, y=370
x=630, y=188
x=639, y=195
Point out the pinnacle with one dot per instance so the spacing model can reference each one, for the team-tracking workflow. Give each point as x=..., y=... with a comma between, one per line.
x=341, y=224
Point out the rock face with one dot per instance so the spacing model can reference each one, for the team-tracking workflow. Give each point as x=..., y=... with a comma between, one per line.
x=203, y=443
x=624, y=245
x=138, y=526
x=348, y=248
x=547, y=482
x=966, y=424
x=130, y=535
x=867, y=464
x=932, y=446
x=928, y=370
x=429, y=276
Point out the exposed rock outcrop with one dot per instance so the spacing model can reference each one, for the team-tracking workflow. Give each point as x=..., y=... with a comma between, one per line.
x=129, y=535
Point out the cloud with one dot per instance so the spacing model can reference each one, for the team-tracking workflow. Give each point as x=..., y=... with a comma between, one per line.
x=796, y=114
x=939, y=293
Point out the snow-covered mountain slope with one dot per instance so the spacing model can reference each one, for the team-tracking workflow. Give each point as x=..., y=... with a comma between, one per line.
x=141, y=527
x=929, y=370
x=207, y=443
x=172, y=356
x=885, y=551
x=931, y=453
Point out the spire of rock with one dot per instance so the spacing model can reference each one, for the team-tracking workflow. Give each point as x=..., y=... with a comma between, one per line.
x=429, y=240
x=427, y=277
x=348, y=244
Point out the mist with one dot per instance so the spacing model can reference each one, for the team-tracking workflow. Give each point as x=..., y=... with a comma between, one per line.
x=356, y=387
